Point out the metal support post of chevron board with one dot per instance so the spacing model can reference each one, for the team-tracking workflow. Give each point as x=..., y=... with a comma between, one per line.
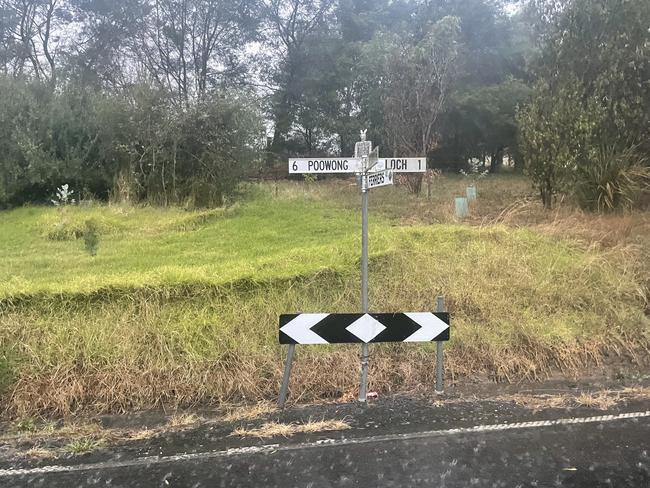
x=285, y=378
x=440, y=371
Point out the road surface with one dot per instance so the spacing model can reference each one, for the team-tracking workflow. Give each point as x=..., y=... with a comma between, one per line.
x=607, y=450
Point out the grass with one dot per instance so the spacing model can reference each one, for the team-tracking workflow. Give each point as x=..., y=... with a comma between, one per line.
x=601, y=400
x=277, y=429
x=83, y=446
x=180, y=308
x=150, y=248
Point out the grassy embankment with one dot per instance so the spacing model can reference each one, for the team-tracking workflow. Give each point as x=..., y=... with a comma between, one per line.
x=181, y=307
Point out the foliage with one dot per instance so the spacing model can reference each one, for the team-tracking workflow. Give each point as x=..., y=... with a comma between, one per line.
x=591, y=95
x=137, y=145
x=474, y=170
x=413, y=83
x=557, y=132
x=91, y=237
x=63, y=196
x=485, y=116
x=614, y=179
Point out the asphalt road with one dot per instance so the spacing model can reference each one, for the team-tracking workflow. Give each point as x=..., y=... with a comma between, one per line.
x=603, y=451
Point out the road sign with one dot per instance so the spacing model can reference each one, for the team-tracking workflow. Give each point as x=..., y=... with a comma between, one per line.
x=403, y=165
x=324, y=165
x=351, y=328
x=373, y=158
x=380, y=178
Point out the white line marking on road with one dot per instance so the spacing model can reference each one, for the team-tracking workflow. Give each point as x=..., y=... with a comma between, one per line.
x=272, y=448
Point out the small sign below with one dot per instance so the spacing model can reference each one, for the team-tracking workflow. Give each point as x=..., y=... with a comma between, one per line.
x=380, y=178
x=403, y=165
x=325, y=165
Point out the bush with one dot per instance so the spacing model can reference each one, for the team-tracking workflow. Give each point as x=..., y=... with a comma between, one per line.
x=615, y=179
x=136, y=145
x=91, y=237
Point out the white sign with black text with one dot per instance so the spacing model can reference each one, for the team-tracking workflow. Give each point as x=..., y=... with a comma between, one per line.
x=325, y=165
x=379, y=178
x=402, y=165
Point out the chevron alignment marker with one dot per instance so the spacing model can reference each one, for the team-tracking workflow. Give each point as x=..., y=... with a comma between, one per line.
x=353, y=328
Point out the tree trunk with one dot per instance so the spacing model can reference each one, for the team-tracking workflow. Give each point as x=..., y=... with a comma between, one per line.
x=547, y=194
x=496, y=160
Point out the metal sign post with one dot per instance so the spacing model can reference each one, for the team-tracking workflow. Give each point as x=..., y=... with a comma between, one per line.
x=363, y=149
x=311, y=328
x=364, y=283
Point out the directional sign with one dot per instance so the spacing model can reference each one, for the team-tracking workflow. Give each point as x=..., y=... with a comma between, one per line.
x=345, y=328
x=373, y=158
x=380, y=178
x=403, y=165
x=324, y=165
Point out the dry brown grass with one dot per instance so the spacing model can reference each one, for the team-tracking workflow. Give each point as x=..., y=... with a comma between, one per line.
x=183, y=420
x=248, y=412
x=85, y=436
x=40, y=453
x=276, y=429
x=539, y=402
x=601, y=400
x=637, y=392
x=316, y=376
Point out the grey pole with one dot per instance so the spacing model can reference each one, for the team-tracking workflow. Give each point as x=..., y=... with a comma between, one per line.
x=364, y=282
x=439, y=358
x=285, y=378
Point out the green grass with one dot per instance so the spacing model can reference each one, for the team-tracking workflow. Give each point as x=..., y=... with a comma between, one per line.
x=181, y=307
x=83, y=446
x=144, y=248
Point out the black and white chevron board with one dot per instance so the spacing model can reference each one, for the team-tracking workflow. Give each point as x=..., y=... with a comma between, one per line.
x=353, y=328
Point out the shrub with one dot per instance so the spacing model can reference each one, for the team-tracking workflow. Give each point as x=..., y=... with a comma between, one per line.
x=91, y=237
x=615, y=179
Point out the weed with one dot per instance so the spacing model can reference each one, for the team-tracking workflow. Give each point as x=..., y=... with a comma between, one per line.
x=601, y=400
x=26, y=424
x=91, y=237
x=39, y=453
x=245, y=412
x=83, y=446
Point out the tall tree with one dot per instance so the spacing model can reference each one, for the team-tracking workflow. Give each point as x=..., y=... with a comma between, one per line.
x=190, y=46
x=289, y=27
x=595, y=55
x=28, y=30
x=413, y=84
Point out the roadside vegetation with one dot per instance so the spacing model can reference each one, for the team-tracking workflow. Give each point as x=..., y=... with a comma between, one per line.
x=150, y=234
x=180, y=308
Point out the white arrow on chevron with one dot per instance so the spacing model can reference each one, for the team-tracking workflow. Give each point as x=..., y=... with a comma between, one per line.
x=299, y=329
x=431, y=326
